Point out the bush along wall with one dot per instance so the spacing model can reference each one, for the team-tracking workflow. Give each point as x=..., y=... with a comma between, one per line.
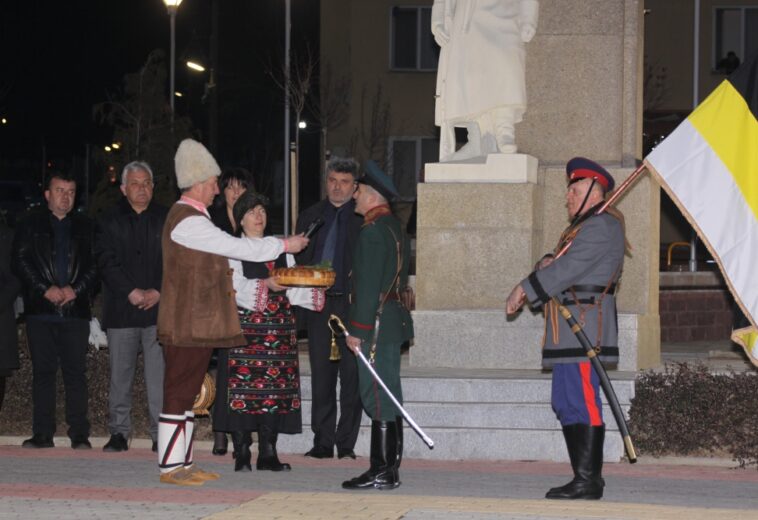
x=16, y=413
x=686, y=410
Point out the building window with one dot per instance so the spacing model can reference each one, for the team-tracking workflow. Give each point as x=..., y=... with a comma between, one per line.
x=735, y=36
x=408, y=155
x=412, y=46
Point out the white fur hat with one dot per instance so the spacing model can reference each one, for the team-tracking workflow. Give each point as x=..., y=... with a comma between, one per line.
x=193, y=164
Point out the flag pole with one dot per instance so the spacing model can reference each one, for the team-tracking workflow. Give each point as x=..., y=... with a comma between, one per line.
x=622, y=188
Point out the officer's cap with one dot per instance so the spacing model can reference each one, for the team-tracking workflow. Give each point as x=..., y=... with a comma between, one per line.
x=580, y=168
x=380, y=181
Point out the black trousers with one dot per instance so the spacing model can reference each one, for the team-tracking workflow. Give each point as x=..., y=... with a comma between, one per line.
x=52, y=344
x=327, y=432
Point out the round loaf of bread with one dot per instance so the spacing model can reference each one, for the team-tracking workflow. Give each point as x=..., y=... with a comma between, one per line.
x=304, y=276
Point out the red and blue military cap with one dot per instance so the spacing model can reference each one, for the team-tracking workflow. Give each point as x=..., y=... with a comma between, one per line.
x=580, y=168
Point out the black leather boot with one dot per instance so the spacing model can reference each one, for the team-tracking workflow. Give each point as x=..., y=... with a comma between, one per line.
x=585, y=444
x=268, y=460
x=399, y=423
x=242, y=441
x=220, y=443
x=382, y=473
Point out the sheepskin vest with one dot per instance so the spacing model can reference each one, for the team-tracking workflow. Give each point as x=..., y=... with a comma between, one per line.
x=197, y=307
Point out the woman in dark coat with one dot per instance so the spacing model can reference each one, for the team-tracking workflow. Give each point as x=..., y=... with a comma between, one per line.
x=9, y=289
x=258, y=385
x=231, y=185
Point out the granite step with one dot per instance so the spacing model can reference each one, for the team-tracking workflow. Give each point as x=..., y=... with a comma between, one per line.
x=495, y=415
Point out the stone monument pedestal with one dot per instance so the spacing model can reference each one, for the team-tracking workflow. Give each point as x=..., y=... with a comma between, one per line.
x=496, y=167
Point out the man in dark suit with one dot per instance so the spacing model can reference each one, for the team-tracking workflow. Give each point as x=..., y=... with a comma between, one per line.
x=10, y=286
x=128, y=250
x=52, y=256
x=333, y=241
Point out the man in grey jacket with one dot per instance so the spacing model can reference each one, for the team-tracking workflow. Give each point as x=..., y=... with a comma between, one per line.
x=584, y=280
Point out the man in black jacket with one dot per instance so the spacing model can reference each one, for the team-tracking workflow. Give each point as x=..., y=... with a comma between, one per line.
x=128, y=250
x=333, y=241
x=52, y=255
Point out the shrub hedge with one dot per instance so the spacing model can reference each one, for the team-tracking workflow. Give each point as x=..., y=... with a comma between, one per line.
x=686, y=410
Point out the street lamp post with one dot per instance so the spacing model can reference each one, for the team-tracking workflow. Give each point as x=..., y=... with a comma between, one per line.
x=287, y=28
x=172, y=6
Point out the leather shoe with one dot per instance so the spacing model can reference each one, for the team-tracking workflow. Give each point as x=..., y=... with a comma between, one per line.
x=181, y=477
x=202, y=475
x=155, y=447
x=116, y=443
x=319, y=452
x=80, y=443
x=343, y=453
x=38, y=441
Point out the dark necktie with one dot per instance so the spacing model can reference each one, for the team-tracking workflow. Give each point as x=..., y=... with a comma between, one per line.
x=331, y=239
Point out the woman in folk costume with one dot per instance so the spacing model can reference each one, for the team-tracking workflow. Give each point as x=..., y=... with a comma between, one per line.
x=258, y=385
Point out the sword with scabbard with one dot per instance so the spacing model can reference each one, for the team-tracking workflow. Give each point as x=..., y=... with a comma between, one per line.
x=424, y=437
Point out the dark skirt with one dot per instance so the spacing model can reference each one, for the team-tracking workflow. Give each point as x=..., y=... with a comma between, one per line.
x=261, y=381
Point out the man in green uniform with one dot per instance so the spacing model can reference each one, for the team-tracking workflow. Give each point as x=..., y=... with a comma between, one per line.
x=379, y=324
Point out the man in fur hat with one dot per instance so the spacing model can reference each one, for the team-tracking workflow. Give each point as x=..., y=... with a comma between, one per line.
x=584, y=280
x=198, y=311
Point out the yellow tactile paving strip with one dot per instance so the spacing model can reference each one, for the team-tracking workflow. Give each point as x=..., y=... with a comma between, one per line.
x=391, y=506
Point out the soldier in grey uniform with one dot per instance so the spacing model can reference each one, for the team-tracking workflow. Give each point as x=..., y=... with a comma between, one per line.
x=584, y=279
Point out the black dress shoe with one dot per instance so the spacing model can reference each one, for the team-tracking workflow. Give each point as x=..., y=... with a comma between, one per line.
x=38, y=441
x=319, y=452
x=116, y=443
x=80, y=442
x=155, y=447
x=345, y=453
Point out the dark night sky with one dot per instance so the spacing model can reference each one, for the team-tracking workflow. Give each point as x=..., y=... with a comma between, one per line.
x=59, y=58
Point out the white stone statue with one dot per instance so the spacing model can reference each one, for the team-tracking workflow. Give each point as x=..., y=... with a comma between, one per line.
x=480, y=80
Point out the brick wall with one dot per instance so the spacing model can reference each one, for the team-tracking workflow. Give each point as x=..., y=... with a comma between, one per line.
x=695, y=315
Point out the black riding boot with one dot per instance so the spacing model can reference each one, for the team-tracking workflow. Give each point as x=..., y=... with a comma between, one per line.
x=399, y=423
x=220, y=443
x=267, y=457
x=242, y=441
x=382, y=473
x=585, y=445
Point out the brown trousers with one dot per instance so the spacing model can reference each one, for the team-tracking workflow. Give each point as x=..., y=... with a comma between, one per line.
x=185, y=370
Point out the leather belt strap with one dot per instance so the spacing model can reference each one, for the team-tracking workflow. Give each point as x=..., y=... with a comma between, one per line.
x=581, y=301
x=393, y=296
x=592, y=288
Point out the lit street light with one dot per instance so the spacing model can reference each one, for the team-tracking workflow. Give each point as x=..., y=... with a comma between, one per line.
x=302, y=125
x=195, y=66
x=172, y=6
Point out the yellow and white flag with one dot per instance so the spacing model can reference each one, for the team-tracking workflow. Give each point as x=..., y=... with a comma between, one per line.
x=709, y=167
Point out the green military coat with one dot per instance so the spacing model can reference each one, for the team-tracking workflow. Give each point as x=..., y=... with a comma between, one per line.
x=375, y=265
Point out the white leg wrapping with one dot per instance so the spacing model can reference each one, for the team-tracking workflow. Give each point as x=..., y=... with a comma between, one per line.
x=189, y=429
x=172, y=449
